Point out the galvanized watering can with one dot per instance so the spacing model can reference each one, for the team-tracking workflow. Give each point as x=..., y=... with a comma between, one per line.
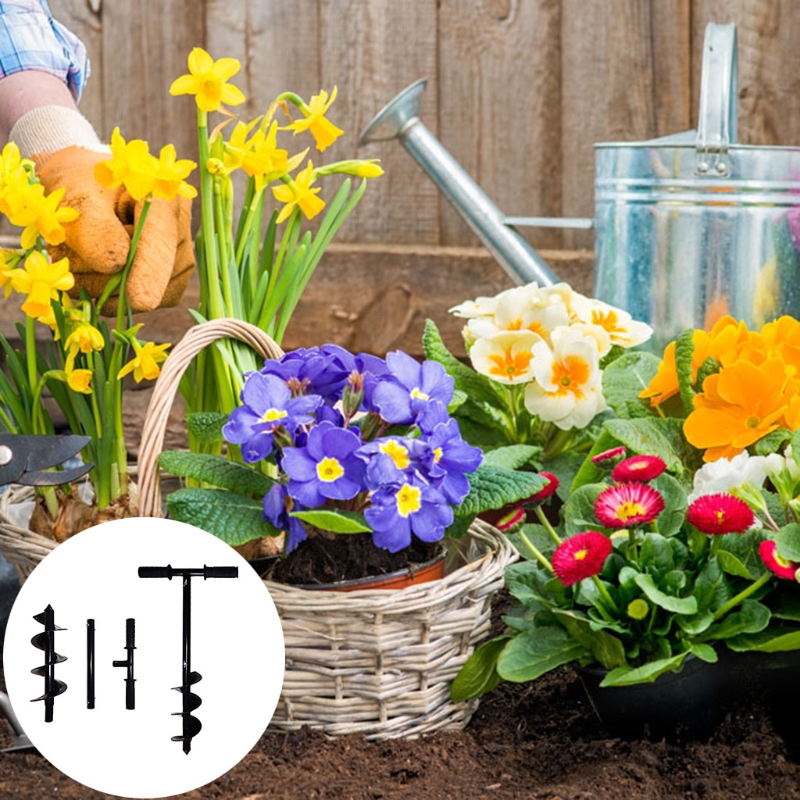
x=687, y=228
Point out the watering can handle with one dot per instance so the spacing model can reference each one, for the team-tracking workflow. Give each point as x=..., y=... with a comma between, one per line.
x=716, y=127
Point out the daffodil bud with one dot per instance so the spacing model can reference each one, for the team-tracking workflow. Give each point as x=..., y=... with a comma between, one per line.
x=215, y=166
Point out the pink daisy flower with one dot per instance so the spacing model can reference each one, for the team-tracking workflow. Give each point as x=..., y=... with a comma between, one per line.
x=511, y=520
x=719, y=514
x=580, y=556
x=543, y=494
x=609, y=458
x=628, y=504
x=638, y=468
x=768, y=550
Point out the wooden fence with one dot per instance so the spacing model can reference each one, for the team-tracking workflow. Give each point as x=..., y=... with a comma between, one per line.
x=518, y=91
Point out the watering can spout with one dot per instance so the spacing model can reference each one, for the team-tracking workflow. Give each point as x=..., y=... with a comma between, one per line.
x=400, y=120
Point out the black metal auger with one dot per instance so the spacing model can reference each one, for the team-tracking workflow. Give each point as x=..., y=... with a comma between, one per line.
x=190, y=701
x=130, y=646
x=46, y=641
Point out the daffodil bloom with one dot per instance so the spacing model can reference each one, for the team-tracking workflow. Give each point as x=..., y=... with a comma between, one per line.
x=235, y=148
x=170, y=175
x=325, y=133
x=49, y=221
x=506, y=357
x=298, y=192
x=41, y=281
x=208, y=81
x=131, y=165
x=85, y=337
x=79, y=380
x=145, y=364
x=568, y=389
x=49, y=319
x=264, y=160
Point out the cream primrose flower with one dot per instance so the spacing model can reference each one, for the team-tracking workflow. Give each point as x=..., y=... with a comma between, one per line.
x=517, y=310
x=506, y=357
x=568, y=390
x=622, y=328
x=559, y=293
x=743, y=475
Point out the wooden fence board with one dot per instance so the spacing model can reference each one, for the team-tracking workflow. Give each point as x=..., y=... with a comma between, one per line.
x=499, y=106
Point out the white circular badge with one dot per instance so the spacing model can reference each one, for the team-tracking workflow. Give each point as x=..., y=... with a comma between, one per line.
x=139, y=608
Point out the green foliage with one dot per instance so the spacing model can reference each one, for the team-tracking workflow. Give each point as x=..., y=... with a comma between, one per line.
x=216, y=471
x=206, y=426
x=624, y=379
x=494, y=487
x=337, y=521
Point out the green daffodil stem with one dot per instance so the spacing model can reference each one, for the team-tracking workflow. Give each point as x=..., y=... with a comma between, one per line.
x=604, y=594
x=224, y=253
x=30, y=359
x=547, y=526
x=539, y=557
x=743, y=595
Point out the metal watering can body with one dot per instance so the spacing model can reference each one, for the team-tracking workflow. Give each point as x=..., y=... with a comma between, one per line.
x=687, y=228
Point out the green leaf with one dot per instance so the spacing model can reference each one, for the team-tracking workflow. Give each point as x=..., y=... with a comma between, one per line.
x=787, y=607
x=589, y=472
x=607, y=650
x=671, y=519
x=656, y=555
x=579, y=509
x=495, y=487
x=694, y=626
x=709, y=367
x=651, y=436
x=234, y=518
x=335, y=521
x=479, y=673
x=731, y=564
x=772, y=442
x=712, y=589
x=705, y=652
x=752, y=617
x=534, y=652
x=537, y=536
x=624, y=378
x=459, y=526
x=788, y=541
x=477, y=386
x=217, y=471
x=647, y=673
x=513, y=456
x=206, y=426
x=677, y=605
x=565, y=467
x=778, y=640
x=684, y=350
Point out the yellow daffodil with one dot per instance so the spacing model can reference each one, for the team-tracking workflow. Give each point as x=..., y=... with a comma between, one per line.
x=361, y=168
x=170, y=175
x=264, y=160
x=145, y=364
x=79, y=380
x=85, y=337
x=131, y=164
x=49, y=220
x=49, y=318
x=298, y=192
x=41, y=281
x=325, y=133
x=236, y=147
x=207, y=81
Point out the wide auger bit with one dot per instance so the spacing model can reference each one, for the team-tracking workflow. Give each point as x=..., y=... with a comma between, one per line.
x=190, y=701
x=46, y=641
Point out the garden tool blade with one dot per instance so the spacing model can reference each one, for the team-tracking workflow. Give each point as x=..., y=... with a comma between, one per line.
x=46, y=641
x=27, y=459
x=19, y=739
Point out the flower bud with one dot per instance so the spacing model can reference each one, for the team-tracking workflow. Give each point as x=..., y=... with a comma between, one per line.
x=638, y=609
x=511, y=521
x=609, y=459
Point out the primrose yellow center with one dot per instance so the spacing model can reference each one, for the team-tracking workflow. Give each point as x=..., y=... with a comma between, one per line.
x=418, y=394
x=396, y=452
x=752, y=422
x=437, y=454
x=581, y=554
x=409, y=500
x=609, y=321
x=272, y=414
x=629, y=509
x=329, y=469
x=570, y=375
x=510, y=365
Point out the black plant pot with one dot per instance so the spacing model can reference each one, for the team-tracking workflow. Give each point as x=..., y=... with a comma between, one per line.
x=677, y=706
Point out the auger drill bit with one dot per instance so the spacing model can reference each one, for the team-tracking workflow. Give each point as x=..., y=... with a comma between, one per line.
x=130, y=646
x=89, y=663
x=46, y=641
x=190, y=701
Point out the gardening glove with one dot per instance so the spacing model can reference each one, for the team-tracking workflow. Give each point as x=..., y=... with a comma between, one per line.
x=65, y=149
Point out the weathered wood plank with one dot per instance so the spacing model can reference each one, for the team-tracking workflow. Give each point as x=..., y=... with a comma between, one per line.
x=499, y=107
x=371, y=50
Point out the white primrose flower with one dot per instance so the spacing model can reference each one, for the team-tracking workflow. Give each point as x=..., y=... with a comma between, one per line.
x=599, y=335
x=516, y=312
x=568, y=390
x=505, y=357
x=742, y=474
x=621, y=327
x=558, y=294
x=481, y=306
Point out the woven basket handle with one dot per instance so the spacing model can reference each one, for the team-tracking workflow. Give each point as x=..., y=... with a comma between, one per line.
x=155, y=423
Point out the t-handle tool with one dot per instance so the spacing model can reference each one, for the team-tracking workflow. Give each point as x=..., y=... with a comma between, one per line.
x=130, y=646
x=46, y=641
x=191, y=725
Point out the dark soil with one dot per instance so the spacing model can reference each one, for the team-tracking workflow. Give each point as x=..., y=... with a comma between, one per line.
x=321, y=560
x=526, y=742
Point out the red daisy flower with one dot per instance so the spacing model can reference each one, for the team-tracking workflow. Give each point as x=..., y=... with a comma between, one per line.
x=509, y=521
x=609, y=458
x=543, y=494
x=768, y=550
x=628, y=504
x=580, y=556
x=638, y=468
x=720, y=513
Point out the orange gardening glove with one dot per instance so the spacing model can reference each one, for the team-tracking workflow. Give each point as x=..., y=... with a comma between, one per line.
x=97, y=242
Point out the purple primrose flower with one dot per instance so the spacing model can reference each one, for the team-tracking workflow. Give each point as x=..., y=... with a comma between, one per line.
x=450, y=458
x=267, y=404
x=327, y=468
x=277, y=505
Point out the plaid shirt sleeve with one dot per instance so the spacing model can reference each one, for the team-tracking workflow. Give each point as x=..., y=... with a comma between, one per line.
x=31, y=39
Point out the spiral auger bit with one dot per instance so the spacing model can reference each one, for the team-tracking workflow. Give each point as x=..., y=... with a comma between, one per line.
x=46, y=641
x=130, y=681
x=190, y=701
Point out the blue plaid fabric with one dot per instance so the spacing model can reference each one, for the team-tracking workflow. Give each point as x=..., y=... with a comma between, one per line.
x=31, y=39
